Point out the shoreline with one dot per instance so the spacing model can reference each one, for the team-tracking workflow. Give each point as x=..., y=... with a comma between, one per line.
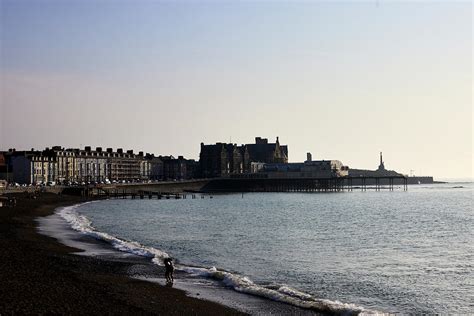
x=41, y=275
x=142, y=268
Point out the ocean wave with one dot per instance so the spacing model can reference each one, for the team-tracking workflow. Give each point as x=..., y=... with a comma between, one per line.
x=243, y=284
x=83, y=225
x=284, y=294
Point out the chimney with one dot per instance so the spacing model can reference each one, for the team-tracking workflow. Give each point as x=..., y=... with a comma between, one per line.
x=98, y=149
x=130, y=152
x=87, y=148
x=140, y=153
x=120, y=150
x=110, y=150
x=309, y=157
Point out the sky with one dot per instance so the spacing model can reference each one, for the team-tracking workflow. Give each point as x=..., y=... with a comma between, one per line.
x=342, y=80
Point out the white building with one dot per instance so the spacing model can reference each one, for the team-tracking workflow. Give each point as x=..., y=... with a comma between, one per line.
x=77, y=166
x=308, y=169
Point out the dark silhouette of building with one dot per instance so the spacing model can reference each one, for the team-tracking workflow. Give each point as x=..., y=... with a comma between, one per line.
x=223, y=159
x=156, y=167
x=263, y=151
x=179, y=168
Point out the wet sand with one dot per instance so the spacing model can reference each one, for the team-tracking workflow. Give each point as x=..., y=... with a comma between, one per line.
x=40, y=275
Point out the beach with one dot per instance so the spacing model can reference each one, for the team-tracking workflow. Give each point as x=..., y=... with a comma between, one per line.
x=40, y=275
x=104, y=256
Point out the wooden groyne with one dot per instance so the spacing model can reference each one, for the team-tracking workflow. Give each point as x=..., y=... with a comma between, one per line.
x=126, y=194
x=138, y=189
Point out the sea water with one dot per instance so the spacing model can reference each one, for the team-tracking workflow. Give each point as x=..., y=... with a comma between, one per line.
x=397, y=252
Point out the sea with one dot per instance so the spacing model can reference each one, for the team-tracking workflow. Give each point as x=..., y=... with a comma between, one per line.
x=359, y=252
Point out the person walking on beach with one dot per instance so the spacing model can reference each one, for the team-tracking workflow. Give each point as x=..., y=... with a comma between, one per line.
x=169, y=269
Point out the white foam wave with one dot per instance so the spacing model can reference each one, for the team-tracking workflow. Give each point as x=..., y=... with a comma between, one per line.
x=283, y=294
x=82, y=224
x=238, y=283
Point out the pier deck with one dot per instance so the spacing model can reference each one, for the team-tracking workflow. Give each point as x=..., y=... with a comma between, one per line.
x=335, y=184
x=222, y=185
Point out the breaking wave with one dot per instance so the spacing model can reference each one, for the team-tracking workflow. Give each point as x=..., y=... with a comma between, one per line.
x=243, y=284
x=83, y=225
x=281, y=293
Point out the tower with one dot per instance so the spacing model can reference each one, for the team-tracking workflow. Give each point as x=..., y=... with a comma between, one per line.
x=381, y=166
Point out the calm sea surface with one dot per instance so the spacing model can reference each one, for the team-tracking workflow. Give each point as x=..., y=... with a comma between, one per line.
x=406, y=252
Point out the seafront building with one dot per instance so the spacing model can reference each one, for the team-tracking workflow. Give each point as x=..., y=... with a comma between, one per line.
x=309, y=169
x=86, y=165
x=262, y=160
x=156, y=167
x=179, y=168
x=224, y=159
x=75, y=165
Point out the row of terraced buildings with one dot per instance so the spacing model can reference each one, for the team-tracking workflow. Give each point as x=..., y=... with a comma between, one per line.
x=86, y=165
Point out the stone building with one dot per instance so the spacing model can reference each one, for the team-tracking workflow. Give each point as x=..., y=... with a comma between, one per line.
x=192, y=169
x=98, y=165
x=45, y=168
x=32, y=166
x=173, y=169
x=156, y=167
x=263, y=151
x=179, y=168
x=223, y=159
x=66, y=165
x=78, y=165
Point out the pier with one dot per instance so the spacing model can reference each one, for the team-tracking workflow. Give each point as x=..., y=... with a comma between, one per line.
x=335, y=184
x=183, y=190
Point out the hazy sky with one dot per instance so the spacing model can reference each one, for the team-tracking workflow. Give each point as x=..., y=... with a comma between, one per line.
x=343, y=80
